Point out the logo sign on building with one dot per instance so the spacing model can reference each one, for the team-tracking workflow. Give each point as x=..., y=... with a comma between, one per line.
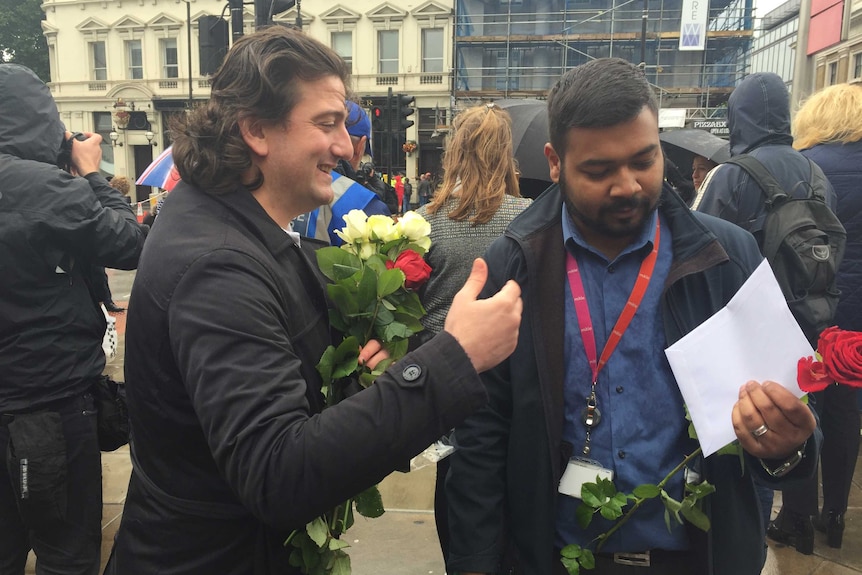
x=715, y=127
x=671, y=117
x=692, y=34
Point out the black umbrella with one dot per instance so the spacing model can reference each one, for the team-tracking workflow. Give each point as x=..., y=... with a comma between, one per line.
x=529, y=136
x=698, y=142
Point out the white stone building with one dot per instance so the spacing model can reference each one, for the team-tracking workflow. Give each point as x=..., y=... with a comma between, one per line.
x=141, y=58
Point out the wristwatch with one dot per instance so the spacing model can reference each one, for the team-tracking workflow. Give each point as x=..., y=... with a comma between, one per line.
x=786, y=466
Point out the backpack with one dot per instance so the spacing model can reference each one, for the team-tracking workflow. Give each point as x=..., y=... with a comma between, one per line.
x=803, y=240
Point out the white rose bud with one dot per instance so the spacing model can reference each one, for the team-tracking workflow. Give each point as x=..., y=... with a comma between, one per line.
x=414, y=227
x=366, y=250
x=356, y=227
x=382, y=228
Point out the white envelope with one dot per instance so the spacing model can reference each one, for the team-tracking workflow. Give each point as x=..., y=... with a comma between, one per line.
x=755, y=337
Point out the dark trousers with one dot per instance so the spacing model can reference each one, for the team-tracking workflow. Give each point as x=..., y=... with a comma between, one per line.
x=839, y=418
x=67, y=545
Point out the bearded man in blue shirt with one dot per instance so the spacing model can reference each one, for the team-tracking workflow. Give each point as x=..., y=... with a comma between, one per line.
x=607, y=238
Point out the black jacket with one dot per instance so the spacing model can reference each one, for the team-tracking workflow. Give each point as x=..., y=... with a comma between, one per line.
x=226, y=324
x=53, y=227
x=842, y=164
x=502, y=485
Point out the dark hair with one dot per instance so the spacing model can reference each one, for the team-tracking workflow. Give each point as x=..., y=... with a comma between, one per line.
x=260, y=79
x=599, y=94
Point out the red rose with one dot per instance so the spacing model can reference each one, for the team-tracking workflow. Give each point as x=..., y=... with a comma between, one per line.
x=842, y=355
x=416, y=271
x=811, y=375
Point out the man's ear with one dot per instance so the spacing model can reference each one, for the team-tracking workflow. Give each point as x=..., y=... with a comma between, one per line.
x=553, y=162
x=254, y=136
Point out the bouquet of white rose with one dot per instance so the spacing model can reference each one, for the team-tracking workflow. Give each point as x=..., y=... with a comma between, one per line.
x=373, y=276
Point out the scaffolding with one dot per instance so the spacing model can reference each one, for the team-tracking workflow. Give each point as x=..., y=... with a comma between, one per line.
x=518, y=48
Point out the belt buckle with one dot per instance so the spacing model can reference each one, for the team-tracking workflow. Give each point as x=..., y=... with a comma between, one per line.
x=633, y=559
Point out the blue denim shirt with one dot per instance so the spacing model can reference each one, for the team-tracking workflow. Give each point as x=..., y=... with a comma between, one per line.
x=641, y=435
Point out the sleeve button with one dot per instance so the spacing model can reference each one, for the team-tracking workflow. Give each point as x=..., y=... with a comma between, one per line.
x=411, y=372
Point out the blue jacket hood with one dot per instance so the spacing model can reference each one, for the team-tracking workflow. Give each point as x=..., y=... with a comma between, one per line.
x=758, y=113
x=30, y=126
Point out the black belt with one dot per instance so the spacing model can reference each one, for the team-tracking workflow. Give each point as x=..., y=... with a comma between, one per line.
x=655, y=561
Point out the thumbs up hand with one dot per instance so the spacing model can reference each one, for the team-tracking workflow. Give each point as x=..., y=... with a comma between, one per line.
x=486, y=329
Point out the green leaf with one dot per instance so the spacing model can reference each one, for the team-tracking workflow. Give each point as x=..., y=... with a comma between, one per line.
x=390, y=281
x=366, y=379
x=343, y=299
x=384, y=316
x=310, y=554
x=732, y=448
x=366, y=293
x=346, y=358
x=341, y=566
x=412, y=323
x=396, y=349
x=696, y=517
x=588, y=560
x=330, y=257
x=409, y=302
x=571, y=565
x=701, y=489
x=369, y=503
x=571, y=551
x=647, y=491
x=388, y=305
x=395, y=331
x=318, y=531
x=324, y=366
x=611, y=512
x=295, y=558
x=335, y=544
x=592, y=495
x=584, y=515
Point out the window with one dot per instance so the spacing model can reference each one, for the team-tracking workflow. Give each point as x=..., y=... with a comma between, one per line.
x=135, y=59
x=832, y=72
x=100, y=62
x=342, y=44
x=432, y=50
x=170, y=63
x=387, y=52
x=857, y=65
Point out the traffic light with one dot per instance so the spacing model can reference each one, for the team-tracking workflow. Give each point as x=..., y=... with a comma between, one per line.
x=403, y=103
x=378, y=118
x=212, y=43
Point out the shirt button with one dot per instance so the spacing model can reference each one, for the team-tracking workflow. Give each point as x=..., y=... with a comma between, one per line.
x=621, y=454
x=411, y=372
x=619, y=389
x=612, y=269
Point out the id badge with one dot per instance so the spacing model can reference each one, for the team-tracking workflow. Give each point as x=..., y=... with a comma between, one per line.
x=580, y=471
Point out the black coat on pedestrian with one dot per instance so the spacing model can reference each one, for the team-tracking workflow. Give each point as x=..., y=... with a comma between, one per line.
x=231, y=452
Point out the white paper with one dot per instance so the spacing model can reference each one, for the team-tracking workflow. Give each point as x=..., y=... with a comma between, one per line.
x=755, y=337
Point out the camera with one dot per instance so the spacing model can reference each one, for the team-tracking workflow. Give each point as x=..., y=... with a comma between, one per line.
x=64, y=158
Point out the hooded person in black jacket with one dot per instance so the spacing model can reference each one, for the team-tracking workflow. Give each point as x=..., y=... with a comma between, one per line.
x=54, y=226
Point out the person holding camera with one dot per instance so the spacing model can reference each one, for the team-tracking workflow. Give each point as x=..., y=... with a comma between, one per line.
x=58, y=218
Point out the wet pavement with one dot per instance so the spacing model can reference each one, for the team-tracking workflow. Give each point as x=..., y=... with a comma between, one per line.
x=404, y=540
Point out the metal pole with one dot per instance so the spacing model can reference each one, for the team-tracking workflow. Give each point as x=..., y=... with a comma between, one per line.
x=644, y=17
x=299, y=14
x=235, y=20
x=389, y=136
x=801, y=66
x=189, y=26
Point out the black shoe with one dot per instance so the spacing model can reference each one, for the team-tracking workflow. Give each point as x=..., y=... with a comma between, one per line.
x=792, y=529
x=831, y=523
x=112, y=307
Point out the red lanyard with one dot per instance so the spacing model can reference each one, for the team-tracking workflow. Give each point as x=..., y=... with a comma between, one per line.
x=591, y=415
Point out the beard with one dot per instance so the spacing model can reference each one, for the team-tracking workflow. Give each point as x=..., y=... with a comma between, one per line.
x=604, y=222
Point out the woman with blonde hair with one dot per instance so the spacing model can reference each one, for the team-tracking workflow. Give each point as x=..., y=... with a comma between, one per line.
x=478, y=198
x=828, y=130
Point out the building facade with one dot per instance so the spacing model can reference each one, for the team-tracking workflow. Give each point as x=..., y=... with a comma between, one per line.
x=122, y=68
x=518, y=48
